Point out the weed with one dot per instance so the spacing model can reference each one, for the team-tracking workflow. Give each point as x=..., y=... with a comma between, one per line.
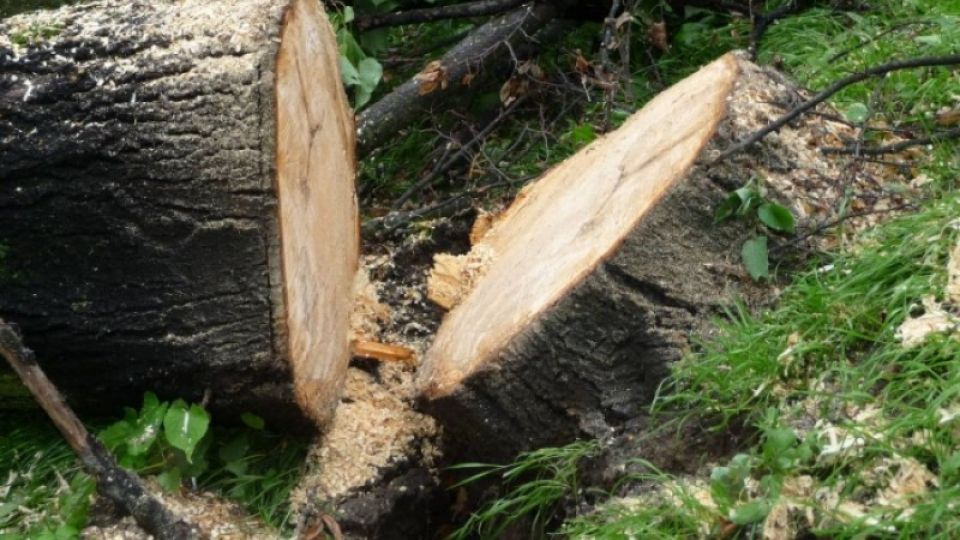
x=536, y=483
x=171, y=442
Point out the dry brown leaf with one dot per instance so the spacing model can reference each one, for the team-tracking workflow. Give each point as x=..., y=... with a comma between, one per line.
x=657, y=36
x=580, y=64
x=468, y=78
x=912, y=479
x=514, y=88
x=432, y=77
x=948, y=118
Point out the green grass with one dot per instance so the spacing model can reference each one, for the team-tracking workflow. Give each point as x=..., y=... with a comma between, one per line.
x=534, y=485
x=43, y=492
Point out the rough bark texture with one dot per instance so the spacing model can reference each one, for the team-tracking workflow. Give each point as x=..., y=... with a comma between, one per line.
x=484, y=47
x=595, y=357
x=138, y=200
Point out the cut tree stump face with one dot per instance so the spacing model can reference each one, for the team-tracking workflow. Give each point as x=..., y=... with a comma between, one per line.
x=318, y=224
x=178, y=202
x=560, y=229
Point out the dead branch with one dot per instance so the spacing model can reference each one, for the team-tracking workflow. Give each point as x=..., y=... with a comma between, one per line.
x=477, y=8
x=453, y=73
x=893, y=148
x=446, y=164
x=853, y=78
x=121, y=486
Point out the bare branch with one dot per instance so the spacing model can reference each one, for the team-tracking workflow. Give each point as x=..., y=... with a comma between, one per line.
x=121, y=486
x=484, y=47
x=894, y=147
x=853, y=78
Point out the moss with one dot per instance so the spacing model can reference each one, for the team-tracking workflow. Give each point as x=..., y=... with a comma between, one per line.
x=13, y=7
x=35, y=33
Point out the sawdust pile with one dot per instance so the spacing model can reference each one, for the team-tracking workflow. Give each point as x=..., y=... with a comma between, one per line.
x=792, y=161
x=375, y=428
x=216, y=518
x=454, y=276
x=937, y=317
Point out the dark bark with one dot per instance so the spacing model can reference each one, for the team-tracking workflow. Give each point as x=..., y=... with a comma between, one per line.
x=138, y=205
x=477, y=8
x=597, y=358
x=485, y=47
x=119, y=485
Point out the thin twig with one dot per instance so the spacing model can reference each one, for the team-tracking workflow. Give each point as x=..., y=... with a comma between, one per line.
x=121, y=486
x=445, y=165
x=853, y=78
x=820, y=228
x=894, y=147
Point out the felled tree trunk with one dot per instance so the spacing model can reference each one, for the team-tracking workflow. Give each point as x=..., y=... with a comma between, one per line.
x=568, y=311
x=177, y=201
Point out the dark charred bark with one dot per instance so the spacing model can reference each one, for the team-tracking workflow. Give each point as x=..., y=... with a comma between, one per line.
x=138, y=206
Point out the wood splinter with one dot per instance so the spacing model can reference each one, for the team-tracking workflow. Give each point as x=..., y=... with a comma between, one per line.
x=383, y=352
x=121, y=486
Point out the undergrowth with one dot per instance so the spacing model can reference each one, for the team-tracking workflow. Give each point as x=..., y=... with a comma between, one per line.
x=44, y=493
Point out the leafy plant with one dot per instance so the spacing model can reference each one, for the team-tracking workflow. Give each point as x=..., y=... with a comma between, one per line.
x=361, y=72
x=175, y=442
x=748, y=203
x=162, y=438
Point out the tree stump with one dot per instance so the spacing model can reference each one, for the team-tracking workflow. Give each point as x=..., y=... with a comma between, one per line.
x=568, y=311
x=177, y=206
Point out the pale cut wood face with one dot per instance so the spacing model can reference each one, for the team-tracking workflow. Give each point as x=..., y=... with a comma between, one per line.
x=318, y=209
x=572, y=219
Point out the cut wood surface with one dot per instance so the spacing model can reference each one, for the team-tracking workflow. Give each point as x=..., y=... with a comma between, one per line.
x=601, y=273
x=177, y=201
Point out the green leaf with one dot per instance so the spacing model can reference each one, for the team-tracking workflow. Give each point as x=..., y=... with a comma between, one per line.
x=951, y=465
x=583, y=133
x=236, y=449
x=184, y=427
x=726, y=483
x=776, y=217
x=252, y=421
x=349, y=73
x=348, y=14
x=857, y=113
x=748, y=199
x=170, y=479
x=727, y=207
x=370, y=71
x=750, y=512
x=756, y=258
x=144, y=432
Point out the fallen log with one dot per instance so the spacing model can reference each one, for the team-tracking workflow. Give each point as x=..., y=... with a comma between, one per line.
x=568, y=311
x=177, y=205
x=453, y=74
